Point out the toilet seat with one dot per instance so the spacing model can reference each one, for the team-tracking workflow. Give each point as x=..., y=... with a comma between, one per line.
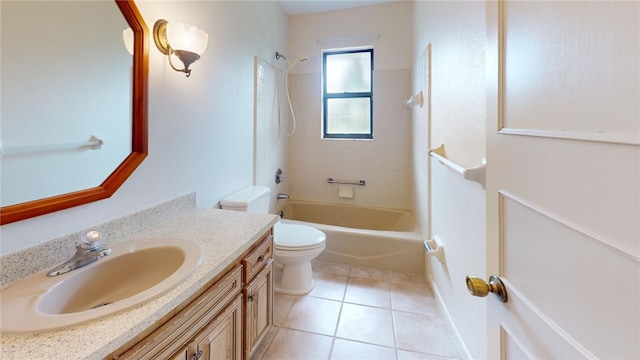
x=297, y=237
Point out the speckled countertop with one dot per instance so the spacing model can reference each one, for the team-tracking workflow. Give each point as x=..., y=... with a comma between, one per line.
x=223, y=236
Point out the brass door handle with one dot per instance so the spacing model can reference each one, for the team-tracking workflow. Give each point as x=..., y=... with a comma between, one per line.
x=478, y=287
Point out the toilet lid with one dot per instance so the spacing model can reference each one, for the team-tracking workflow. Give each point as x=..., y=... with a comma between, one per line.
x=292, y=236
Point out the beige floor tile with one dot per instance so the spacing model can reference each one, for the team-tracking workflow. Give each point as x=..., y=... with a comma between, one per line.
x=424, y=333
x=351, y=350
x=330, y=268
x=329, y=286
x=402, y=278
x=367, y=324
x=368, y=292
x=410, y=355
x=415, y=325
x=297, y=345
x=413, y=297
x=281, y=305
x=368, y=273
x=314, y=315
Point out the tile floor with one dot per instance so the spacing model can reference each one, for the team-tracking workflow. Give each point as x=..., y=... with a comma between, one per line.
x=359, y=313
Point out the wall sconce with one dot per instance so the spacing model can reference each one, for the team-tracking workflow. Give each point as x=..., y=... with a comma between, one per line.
x=185, y=41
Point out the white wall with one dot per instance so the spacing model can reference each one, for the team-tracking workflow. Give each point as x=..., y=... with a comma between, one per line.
x=383, y=163
x=200, y=128
x=456, y=32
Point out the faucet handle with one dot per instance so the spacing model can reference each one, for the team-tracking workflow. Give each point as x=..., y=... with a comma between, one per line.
x=91, y=239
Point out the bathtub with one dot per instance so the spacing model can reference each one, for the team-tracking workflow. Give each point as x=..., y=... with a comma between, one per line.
x=384, y=239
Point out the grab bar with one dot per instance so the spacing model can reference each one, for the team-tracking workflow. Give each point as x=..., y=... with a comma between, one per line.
x=476, y=173
x=344, y=182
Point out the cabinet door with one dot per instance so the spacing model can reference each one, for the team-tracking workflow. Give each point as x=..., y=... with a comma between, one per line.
x=180, y=330
x=181, y=355
x=221, y=339
x=258, y=308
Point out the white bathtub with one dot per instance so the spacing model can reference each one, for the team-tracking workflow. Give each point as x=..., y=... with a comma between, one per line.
x=379, y=238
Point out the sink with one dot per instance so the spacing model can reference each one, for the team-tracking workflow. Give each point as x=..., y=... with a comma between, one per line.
x=135, y=272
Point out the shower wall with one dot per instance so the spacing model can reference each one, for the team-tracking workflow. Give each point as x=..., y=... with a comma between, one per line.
x=270, y=146
x=384, y=163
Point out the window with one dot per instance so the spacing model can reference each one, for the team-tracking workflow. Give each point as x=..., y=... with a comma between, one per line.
x=347, y=94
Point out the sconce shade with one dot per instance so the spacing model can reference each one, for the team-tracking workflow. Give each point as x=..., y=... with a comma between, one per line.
x=183, y=40
x=186, y=37
x=127, y=37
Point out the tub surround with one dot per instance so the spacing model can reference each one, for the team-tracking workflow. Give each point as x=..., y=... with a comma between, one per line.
x=223, y=236
x=379, y=238
x=350, y=216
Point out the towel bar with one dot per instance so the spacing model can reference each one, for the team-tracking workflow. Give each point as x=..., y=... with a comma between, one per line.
x=476, y=173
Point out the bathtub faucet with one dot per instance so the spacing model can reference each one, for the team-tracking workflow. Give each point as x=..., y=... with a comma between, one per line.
x=281, y=196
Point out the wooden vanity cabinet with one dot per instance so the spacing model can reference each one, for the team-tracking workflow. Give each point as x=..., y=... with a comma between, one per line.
x=226, y=322
x=258, y=295
x=175, y=338
x=221, y=339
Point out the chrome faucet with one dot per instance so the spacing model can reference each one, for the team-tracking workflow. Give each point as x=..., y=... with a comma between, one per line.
x=281, y=196
x=87, y=252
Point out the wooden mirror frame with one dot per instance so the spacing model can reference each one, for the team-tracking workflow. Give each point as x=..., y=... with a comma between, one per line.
x=139, y=141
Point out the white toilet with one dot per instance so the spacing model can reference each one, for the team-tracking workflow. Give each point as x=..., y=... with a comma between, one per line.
x=294, y=245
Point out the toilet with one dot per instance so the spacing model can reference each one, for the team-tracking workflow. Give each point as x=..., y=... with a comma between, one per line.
x=294, y=246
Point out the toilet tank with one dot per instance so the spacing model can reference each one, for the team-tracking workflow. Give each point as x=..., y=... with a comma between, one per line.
x=253, y=199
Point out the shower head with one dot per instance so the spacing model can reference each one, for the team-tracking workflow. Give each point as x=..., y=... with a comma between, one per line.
x=297, y=61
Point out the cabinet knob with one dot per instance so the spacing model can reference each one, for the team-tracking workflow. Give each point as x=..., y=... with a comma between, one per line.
x=260, y=258
x=250, y=297
x=197, y=355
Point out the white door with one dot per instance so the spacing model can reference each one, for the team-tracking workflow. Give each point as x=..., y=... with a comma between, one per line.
x=563, y=178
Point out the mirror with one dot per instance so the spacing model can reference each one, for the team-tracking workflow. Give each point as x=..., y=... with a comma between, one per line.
x=91, y=64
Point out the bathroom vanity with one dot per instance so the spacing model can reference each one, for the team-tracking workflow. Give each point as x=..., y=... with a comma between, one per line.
x=226, y=322
x=221, y=311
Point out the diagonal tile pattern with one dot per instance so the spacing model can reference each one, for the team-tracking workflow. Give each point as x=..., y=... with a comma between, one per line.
x=360, y=313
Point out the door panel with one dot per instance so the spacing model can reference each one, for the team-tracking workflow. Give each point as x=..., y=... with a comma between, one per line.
x=539, y=338
x=513, y=350
x=579, y=182
x=569, y=52
x=572, y=278
x=563, y=178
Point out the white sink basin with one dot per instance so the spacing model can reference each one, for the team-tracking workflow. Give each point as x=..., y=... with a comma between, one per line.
x=135, y=272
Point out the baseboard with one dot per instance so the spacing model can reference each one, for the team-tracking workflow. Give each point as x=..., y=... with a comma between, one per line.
x=463, y=348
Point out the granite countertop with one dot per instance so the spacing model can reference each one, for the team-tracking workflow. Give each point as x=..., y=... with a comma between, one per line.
x=223, y=235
